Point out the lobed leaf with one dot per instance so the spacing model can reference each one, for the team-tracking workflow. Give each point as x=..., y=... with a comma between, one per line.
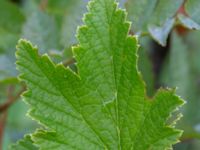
x=104, y=105
x=25, y=144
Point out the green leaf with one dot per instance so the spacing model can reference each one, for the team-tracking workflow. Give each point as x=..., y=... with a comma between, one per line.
x=42, y=30
x=192, y=40
x=104, y=106
x=160, y=34
x=67, y=18
x=145, y=65
x=8, y=40
x=178, y=73
x=29, y=7
x=11, y=20
x=25, y=144
x=71, y=20
x=178, y=66
x=192, y=9
x=188, y=22
x=7, y=68
x=192, y=109
x=146, y=14
x=11, y=17
x=155, y=12
x=60, y=6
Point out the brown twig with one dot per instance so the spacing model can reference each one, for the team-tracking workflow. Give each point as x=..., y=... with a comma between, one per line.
x=189, y=137
x=2, y=127
x=3, y=109
x=11, y=99
x=69, y=62
x=10, y=91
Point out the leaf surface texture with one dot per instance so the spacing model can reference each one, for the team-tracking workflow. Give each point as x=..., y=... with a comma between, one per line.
x=104, y=105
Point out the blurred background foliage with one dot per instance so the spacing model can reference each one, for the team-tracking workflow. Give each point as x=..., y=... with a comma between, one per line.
x=169, y=54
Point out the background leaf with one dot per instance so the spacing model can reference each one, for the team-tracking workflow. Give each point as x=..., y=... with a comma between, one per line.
x=155, y=13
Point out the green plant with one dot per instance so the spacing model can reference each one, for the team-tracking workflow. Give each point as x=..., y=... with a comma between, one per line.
x=168, y=57
x=104, y=105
